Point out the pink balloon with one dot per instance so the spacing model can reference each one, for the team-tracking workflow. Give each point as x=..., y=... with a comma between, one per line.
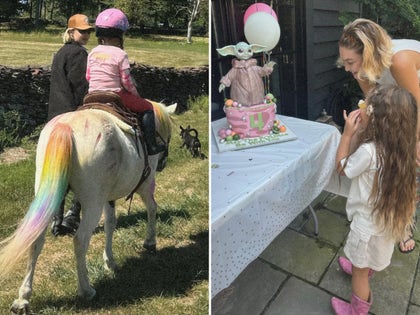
x=259, y=7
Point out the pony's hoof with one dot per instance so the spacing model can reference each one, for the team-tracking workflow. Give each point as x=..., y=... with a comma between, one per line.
x=20, y=307
x=88, y=295
x=110, y=266
x=150, y=247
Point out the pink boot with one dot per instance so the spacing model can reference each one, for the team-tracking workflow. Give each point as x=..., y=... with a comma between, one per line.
x=340, y=307
x=356, y=307
x=346, y=266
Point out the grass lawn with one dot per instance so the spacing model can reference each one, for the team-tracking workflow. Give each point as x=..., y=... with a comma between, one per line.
x=21, y=49
x=174, y=280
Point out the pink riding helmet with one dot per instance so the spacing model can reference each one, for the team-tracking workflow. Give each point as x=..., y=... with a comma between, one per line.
x=112, y=18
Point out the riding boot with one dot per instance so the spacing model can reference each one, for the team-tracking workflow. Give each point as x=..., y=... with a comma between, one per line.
x=71, y=220
x=149, y=130
x=57, y=220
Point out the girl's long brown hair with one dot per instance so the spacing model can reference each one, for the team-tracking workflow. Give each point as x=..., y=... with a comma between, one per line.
x=392, y=127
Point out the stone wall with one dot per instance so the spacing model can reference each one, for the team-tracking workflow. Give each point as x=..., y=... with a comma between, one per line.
x=26, y=90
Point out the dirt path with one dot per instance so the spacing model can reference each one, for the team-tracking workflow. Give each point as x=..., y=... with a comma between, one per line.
x=12, y=155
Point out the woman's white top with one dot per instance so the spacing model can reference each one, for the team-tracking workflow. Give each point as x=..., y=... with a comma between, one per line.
x=399, y=44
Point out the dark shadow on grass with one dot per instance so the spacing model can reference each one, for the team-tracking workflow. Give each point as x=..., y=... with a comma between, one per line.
x=163, y=215
x=171, y=271
x=132, y=219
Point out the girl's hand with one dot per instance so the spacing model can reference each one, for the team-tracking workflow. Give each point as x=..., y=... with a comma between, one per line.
x=352, y=122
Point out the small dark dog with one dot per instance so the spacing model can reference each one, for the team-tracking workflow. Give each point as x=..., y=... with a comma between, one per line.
x=191, y=141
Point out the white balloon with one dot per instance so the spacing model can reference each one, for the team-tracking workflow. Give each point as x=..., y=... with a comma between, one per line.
x=263, y=29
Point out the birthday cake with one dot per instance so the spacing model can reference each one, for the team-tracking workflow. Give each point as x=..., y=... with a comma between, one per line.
x=250, y=121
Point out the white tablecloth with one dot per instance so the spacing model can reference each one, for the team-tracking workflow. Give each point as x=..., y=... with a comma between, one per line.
x=257, y=192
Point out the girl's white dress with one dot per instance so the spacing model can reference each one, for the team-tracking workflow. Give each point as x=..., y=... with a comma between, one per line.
x=367, y=245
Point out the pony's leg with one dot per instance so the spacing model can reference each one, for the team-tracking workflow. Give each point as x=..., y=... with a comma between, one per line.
x=147, y=191
x=110, y=224
x=81, y=240
x=21, y=305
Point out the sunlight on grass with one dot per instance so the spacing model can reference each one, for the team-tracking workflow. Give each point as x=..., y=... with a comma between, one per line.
x=174, y=280
x=22, y=54
x=21, y=49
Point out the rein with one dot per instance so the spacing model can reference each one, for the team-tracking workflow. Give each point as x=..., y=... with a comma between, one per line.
x=146, y=169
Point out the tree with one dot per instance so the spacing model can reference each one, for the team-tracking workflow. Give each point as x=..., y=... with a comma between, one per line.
x=9, y=8
x=401, y=18
x=157, y=14
x=38, y=8
x=193, y=14
x=144, y=12
x=191, y=9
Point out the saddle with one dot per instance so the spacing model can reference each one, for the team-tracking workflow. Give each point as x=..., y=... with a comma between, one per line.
x=111, y=103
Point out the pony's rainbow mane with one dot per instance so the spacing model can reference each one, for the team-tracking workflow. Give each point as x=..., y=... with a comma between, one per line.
x=163, y=120
x=53, y=184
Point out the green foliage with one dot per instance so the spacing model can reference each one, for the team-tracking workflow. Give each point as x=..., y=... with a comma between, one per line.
x=163, y=13
x=16, y=187
x=10, y=126
x=199, y=104
x=9, y=8
x=401, y=18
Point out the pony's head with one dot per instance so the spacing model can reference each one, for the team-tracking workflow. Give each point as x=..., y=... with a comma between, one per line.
x=163, y=123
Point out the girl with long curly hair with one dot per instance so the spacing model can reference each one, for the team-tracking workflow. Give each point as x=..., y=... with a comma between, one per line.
x=381, y=200
x=374, y=58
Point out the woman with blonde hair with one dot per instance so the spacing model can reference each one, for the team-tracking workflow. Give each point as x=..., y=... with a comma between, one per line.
x=381, y=203
x=373, y=58
x=68, y=83
x=68, y=86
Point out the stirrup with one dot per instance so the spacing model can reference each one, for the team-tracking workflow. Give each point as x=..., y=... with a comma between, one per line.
x=156, y=149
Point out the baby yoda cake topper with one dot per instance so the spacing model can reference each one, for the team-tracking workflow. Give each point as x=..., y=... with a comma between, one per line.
x=245, y=76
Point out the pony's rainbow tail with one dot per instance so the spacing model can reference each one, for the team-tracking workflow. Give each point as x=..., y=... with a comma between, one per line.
x=52, y=188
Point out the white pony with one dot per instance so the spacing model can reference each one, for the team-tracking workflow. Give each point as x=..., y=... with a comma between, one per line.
x=100, y=159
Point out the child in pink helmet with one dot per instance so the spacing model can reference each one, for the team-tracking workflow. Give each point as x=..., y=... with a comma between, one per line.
x=108, y=69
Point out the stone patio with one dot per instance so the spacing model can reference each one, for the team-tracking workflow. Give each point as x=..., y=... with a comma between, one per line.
x=298, y=273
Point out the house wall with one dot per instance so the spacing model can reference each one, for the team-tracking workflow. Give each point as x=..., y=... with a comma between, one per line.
x=323, y=29
x=306, y=76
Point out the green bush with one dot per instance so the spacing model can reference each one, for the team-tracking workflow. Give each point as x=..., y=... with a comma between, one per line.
x=199, y=104
x=11, y=125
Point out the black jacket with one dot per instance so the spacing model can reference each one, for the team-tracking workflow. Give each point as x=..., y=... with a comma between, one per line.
x=68, y=83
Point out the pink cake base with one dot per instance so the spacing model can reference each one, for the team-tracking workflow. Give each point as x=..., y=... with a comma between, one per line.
x=251, y=121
